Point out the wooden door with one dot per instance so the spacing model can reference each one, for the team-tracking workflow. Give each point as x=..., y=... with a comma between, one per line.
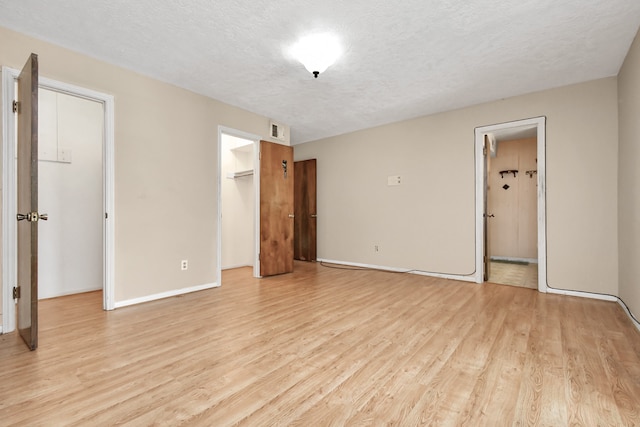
x=276, y=208
x=487, y=214
x=304, y=242
x=27, y=177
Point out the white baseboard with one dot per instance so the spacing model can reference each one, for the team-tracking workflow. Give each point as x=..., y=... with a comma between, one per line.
x=71, y=292
x=162, y=295
x=444, y=276
x=231, y=267
x=581, y=294
x=626, y=310
x=508, y=258
x=402, y=270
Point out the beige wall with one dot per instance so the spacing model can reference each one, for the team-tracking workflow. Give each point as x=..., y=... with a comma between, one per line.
x=427, y=222
x=165, y=167
x=629, y=178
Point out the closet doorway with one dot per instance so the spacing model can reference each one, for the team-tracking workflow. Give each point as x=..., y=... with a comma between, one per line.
x=512, y=209
x=238, y=208
x=499, y=184
x=64, y=152
x=70, y=159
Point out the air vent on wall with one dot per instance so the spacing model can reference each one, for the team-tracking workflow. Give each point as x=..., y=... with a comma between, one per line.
x=276, y=131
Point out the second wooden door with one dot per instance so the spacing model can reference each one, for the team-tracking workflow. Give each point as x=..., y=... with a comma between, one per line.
x=305, y=225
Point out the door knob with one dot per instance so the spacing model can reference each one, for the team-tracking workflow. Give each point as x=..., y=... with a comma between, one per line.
x=291, y=215
x=314, y=216
x=32, y=217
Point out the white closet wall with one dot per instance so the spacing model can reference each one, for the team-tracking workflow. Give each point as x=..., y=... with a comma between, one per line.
x=238, y=202
x=70, y=191
x=513, y=229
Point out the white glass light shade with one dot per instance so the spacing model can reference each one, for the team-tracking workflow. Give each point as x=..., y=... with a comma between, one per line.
x=317, y=52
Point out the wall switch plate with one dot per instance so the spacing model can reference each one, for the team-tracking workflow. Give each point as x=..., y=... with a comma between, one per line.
x=394, y=180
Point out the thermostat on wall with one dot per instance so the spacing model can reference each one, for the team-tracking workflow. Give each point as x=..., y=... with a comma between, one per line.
x=276, y=130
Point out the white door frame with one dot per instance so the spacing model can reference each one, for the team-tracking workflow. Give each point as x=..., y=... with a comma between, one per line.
x=9, y=259
x=540, y=124
x=256, y=188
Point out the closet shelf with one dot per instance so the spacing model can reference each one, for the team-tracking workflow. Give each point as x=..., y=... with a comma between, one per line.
x=239, y=174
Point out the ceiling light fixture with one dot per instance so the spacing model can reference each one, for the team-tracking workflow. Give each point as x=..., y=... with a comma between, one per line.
x=317, y=52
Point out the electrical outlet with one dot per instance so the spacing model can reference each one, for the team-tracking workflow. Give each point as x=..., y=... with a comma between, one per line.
x=184, y=264
x=376, y=248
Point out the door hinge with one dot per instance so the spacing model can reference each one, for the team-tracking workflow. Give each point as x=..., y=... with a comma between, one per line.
x=106, y=215
x=258, y=256
x=15, y=106
x=484, y=151
x=16, y=292
x=260, y=155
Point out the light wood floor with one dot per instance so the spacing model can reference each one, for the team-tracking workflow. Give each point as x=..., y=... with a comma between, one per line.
x=328, y=347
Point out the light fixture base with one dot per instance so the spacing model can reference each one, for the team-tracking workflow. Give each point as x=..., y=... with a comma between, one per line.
x=317, y=52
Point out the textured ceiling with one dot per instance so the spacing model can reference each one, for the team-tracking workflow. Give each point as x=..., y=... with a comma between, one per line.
x=402, y=59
